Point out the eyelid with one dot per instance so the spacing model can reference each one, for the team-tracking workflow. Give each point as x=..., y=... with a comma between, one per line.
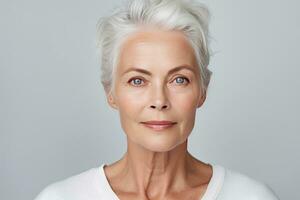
x=133, y=78
x=142, y=79
x=184, y=77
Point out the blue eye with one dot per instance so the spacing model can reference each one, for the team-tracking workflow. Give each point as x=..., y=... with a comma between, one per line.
x=138, y=81
x=135, y=81
x=181, y=79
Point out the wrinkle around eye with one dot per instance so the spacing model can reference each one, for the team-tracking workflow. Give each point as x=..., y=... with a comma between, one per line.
x=143, y=81
x=135, y=78
x=184, y=78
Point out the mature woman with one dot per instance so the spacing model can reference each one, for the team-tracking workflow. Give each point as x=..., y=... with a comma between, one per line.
x=155, y=73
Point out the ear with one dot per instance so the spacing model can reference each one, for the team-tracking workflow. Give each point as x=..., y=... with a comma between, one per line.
x=111, y=101
x=201, y=100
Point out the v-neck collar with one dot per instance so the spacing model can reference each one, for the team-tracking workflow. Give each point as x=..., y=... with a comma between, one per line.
x=213, y=189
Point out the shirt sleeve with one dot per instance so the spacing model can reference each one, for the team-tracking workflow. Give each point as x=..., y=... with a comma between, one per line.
x=48, y=193
x=266, y=193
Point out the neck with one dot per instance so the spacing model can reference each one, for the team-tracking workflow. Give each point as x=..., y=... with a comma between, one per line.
x=155, y=174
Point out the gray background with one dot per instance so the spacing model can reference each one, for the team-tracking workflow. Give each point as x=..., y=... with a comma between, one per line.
x=55, y=121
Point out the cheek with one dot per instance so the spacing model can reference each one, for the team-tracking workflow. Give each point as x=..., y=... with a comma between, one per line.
x=185, y=106
x=130, y=104
x=186, y=102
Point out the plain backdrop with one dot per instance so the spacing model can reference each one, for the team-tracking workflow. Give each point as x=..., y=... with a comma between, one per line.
x=55, y=121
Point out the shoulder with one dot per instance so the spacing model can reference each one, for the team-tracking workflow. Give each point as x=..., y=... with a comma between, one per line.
x=49, y=193
x=72, y=188
x=240, y=186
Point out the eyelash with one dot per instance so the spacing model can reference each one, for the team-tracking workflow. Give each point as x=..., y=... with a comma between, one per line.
x=188, y=81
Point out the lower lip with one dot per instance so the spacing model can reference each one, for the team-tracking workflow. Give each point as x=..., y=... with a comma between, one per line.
x=158, y=127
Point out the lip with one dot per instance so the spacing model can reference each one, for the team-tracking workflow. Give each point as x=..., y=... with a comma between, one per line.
x=159, y=125
x=163, y=122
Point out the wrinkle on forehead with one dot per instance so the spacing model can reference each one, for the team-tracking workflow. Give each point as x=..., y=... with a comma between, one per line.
x=154, y=36
x=145, y=47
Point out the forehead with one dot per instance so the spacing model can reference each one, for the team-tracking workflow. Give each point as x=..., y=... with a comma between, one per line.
x=156, y=48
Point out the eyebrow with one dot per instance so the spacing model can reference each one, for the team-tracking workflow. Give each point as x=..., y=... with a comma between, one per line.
x=175, y=69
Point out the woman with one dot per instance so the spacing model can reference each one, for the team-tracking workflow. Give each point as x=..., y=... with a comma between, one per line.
x=154, y=72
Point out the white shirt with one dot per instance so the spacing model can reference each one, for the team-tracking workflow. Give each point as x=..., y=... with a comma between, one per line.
x=225, y=184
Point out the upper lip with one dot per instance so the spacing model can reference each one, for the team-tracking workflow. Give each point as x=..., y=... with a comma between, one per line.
x=163, y=122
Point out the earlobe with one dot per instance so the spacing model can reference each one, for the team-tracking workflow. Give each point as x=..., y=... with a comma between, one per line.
x=111, y=101
x=201, y=100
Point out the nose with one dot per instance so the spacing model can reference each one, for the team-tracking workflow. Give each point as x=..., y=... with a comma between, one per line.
x=160, y=99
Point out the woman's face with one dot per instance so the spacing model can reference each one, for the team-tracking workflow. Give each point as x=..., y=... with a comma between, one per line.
x=157, y=91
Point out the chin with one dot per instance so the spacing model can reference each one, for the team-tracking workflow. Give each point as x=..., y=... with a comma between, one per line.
x=160, y=146
x=157, y=142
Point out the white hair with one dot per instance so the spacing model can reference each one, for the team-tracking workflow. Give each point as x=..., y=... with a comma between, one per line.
x=188, y=16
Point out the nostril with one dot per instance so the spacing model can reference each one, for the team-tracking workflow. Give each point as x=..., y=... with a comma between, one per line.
x=161, y=107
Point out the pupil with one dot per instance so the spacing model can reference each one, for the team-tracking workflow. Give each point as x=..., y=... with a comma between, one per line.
x=137, y=81
x=180, y=79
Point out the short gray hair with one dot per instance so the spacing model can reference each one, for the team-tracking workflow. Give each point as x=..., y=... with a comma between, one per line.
x=188, y=16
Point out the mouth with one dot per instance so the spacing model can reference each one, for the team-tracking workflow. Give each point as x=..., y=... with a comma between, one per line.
x=159, y=125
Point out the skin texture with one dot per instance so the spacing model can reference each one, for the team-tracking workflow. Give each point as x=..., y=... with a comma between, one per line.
x=157, y=164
